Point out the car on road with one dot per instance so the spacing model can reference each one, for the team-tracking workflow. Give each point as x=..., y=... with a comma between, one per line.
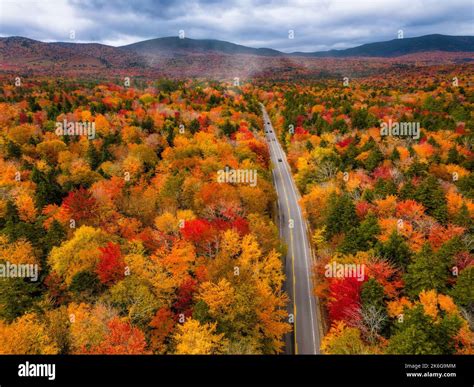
x=279, y=160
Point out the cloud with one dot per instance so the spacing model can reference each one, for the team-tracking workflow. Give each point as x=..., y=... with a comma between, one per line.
x=317, y=24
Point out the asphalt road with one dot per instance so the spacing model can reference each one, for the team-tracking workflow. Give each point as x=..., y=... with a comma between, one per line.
x=299, y=286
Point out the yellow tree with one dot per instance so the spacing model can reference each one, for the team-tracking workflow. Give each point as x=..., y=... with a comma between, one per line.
x=272, y=270
x=271, y=314
x=194, y=338
x=343, y=340
x=150, y=271
x=222, y=266
x=266, y=231
x=79, y=253
x=26, y=336
x=88, y=325
x=219, y=297
x=429, y=300
x=26, y=207
x=167, y=223
x=50, y=149
x=18, y=252
x=180, y=260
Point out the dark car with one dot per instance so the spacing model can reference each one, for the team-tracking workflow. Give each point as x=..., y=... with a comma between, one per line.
x=279, y=160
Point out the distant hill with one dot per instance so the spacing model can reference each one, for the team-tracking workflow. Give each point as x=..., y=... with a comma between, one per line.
x=31, y=54
x=392, y=48
x=399, y=47
x=175, y=44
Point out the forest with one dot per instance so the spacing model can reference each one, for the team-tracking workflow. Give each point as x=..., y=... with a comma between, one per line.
x=141, y=249
x=400, y=207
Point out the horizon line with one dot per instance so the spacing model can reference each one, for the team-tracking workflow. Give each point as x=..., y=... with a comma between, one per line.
x=73, y=41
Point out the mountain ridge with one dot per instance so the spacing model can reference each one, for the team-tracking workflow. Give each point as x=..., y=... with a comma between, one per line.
x=188, y=58
x=169, y=45
x=404, y=46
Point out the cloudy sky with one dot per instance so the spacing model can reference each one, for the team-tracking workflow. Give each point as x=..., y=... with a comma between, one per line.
x=316, y=24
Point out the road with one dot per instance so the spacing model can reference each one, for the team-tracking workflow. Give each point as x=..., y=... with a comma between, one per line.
x=299, y=285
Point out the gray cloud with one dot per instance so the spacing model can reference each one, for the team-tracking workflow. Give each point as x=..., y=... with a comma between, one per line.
x=317, y=24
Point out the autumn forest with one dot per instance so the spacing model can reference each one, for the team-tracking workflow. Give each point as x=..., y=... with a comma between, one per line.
x=141, y=250
x=268, y=178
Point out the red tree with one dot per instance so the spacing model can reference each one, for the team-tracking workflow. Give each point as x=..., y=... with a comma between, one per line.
x=197, y=230
x=111, y=267
x=345, y=142
x=23, y=118
x=363, y=208
x=382, y=172
x=121, y=339
x=344, y=297
x=262, y=152
x=80, y=204
x=184, y=298
x=240, y=225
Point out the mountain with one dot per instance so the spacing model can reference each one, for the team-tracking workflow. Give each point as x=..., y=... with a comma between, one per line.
x=29, y=54
x=176, y=45
x=216, y=59
x=392, y=48
x=32, y=50
x=399, y=47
